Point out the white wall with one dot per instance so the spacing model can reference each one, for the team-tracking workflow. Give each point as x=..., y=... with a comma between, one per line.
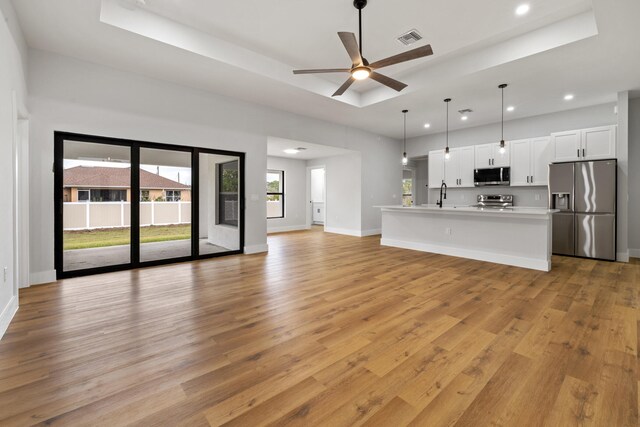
x=295, y=194
x=634, y=177
x=12, y=100
x=77, y=96
x=343, y=210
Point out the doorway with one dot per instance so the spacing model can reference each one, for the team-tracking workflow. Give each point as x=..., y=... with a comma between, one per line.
x=317, y=194
x=124, y=204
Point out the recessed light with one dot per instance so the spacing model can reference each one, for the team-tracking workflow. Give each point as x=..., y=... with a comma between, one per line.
x=523, y=9
x=291, y=151
x=510, y=108
x=464, y=118
x=568, y=97
x=427, y=125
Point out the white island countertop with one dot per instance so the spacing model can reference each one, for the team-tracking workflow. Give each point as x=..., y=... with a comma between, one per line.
x=519, y=236
x=514, y=211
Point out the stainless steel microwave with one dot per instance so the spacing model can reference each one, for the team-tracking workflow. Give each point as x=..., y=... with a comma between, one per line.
x=492, y=176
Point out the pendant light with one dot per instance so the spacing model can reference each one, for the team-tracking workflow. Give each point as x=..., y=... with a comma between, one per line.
x=446, y=150
x=502, y=147
x=405, y=160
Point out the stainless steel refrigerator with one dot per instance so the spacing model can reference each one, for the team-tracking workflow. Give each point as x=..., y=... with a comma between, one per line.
x=585, y=194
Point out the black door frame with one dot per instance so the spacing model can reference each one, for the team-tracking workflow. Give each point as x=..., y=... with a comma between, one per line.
x=134, y=262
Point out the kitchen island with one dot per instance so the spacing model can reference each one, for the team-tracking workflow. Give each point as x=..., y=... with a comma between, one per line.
x=514, y=236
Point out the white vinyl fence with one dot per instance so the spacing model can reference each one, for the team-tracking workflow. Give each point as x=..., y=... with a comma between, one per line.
x=90, y=215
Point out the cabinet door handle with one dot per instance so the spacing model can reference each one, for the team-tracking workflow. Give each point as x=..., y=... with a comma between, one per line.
x=532, y=179
x=578, y=152
x=527, y=179
x=583, y=155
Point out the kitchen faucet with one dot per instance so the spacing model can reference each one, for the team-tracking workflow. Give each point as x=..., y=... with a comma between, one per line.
x=443, y=186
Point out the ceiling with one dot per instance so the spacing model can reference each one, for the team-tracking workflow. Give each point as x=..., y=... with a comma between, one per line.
x=276, y=147
x=247, y=49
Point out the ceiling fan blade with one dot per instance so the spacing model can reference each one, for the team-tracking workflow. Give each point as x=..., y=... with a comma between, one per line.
x=350, y=43
x=404, y=57
x=344, y=87
x=322, y=70
x=387, y=81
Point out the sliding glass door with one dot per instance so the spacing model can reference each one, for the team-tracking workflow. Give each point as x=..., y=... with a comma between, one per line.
x=165, y=204
x=124, y=204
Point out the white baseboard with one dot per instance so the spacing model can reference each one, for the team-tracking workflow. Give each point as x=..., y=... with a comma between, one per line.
x=287, y=228
x=532, y=263
x=622, y=256
x=372, y=232
x=7, y=314
x=634, y=253
x=345, y=231
x=355, y=233
x=256, y=249
x=42, y=277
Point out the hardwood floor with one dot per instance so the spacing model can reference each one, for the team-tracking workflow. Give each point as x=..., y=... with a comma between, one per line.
x=328, y=330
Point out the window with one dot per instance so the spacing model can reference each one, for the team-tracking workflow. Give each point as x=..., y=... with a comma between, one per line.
x=172, y=195
x=83, y=195
x=275, y=194
x=144, y=196
x=100, y=195
x=407, y=187
x=228, y=200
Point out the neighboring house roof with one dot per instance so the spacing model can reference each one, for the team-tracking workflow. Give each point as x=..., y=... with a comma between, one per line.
x=105, y=177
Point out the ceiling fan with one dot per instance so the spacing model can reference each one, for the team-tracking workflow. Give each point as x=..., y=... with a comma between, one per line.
x=361, y=68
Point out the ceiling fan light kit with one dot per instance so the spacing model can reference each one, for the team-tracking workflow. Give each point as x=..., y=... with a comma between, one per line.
x=360, y=68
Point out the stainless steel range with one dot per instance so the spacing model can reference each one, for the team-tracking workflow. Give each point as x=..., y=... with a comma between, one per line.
x=495, y=201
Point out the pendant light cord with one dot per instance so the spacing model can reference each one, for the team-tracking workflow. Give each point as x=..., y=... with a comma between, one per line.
x=405, y=131
x=502, y=113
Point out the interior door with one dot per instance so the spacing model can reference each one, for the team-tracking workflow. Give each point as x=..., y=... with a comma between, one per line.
x=520, y=162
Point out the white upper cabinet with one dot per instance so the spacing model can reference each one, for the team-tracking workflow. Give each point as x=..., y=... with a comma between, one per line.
x=458, y=168
x=467, y=165
x=489, y=156
x=599, y=143
x=530, y=159
x=484, y=156
x=541, y=156
x=584, y=144
x=436, y=168
x=520, y=162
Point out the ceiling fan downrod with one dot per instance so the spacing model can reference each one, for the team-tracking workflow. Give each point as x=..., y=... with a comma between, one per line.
x=360, y=4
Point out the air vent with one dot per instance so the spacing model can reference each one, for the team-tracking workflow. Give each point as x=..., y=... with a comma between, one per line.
x=410, y=37
x=300, y=148
x=465, y=111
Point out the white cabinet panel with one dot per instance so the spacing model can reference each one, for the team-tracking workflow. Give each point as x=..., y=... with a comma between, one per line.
x=484, y=156
x=540, y=158
x=458, y=168
x=436, y=168
x=566, y=146
x=451, y=168
x=599, y=143
x=520, y=162
x=501, y=160
x=467, y=163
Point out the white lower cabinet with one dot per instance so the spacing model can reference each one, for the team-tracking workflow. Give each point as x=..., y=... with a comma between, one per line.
x=530, y=160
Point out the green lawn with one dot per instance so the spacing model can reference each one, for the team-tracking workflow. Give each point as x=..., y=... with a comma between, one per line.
x=102, y=237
